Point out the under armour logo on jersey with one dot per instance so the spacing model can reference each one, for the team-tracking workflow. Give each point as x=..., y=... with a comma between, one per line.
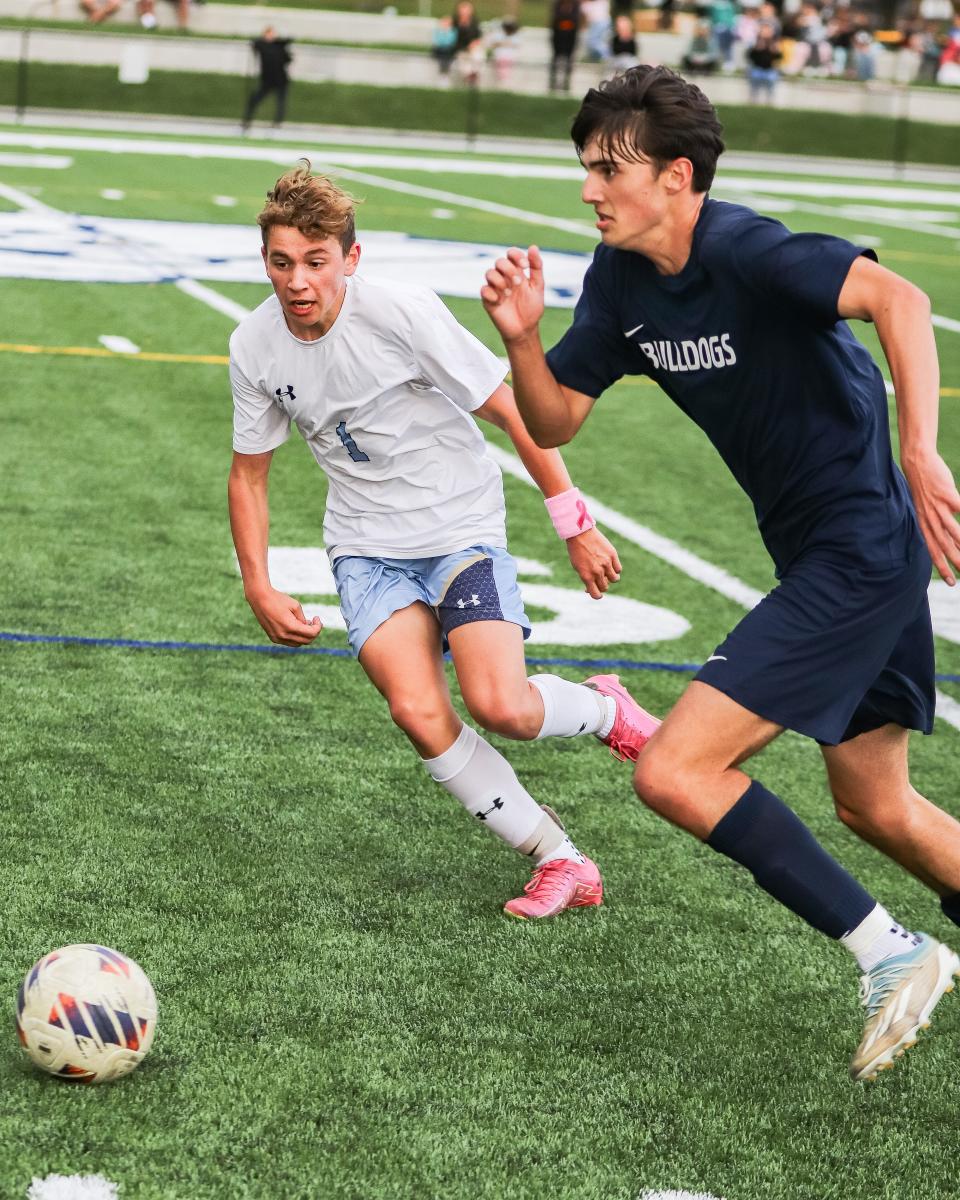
x=282, y=395
x=497, y=804
x=474, y=600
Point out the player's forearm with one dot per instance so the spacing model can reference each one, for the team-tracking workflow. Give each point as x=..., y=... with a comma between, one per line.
x=539, y=397
x=906, y=336
x=250, y=526
x=546, y=467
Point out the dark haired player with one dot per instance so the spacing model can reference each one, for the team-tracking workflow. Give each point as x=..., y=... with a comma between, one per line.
x=743, y=325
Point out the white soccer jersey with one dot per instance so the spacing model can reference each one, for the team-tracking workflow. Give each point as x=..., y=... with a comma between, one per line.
x=382, y=400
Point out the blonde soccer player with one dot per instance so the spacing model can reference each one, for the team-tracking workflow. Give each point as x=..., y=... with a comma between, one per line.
x=384, y=385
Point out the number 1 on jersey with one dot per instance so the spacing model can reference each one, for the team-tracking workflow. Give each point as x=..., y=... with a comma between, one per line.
x=352, y=448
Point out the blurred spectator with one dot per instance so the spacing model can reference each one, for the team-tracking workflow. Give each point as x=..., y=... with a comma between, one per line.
x=926, y=45
x=597, y=29
x=274, y=57
x=465, y=25
x=770, y=16
x=949, y=69
x=701, y=56
x=840, y=34
x=469, y=44
x=812, y=50
x=443, y=47
x=183, y=11
x=564, y=24
x=665, y=20
x=864, y=55
x=935, y=10
x=723, y=24
x=953, y=35
x=99, y=10
x=504, y=46
x=623, y=44
x=746, y=29
x=762, y=59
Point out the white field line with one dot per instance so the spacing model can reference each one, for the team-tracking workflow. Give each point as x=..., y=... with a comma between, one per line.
x=501, y=210
x=672, y=552
x=824, y=188
x=72, y=1187
x=648, y=1195
x=514, y=147
x=825, y=210
x=286, y=155
x=45, y=162
x=118, y=344
x=835, y=186
x=27, y=202
x=948, y=709
x=208, y=296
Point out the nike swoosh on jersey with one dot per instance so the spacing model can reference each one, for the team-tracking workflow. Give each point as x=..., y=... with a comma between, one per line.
x=631, y=332
x=717, y=658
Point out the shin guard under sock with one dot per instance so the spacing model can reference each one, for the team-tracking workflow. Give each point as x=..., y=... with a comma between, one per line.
x=762, y=834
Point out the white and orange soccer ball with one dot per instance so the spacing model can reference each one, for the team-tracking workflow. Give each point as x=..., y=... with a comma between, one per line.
x=86, y=1013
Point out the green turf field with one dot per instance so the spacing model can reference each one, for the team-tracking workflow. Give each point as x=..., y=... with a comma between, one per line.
x=344, y=1012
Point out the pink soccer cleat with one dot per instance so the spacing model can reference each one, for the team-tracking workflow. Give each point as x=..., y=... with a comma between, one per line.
x=633, y=726
x=558, y=884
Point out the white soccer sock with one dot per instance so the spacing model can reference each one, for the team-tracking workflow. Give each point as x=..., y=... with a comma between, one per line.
x=878, y=936
x=570, y=709
x=487, y=786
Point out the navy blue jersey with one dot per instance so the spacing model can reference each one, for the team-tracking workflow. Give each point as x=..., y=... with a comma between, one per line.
x=747, y=341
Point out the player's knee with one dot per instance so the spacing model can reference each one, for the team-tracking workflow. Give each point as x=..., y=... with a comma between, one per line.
x=503, y=714
x=865, y=816
x=417, y=716
x=660, y=785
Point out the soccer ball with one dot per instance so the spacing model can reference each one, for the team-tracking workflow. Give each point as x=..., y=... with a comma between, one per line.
x=86, y=1013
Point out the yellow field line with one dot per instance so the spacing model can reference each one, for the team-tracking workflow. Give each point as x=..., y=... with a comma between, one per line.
x=920, y=256
x=216, y=360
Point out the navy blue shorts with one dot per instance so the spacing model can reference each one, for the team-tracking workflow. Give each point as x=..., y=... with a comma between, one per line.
x=835, y=651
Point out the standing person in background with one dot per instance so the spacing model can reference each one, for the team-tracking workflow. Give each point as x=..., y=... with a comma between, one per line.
x=723, y=24
x=274, y=56
x=443, y=47
x=762, y=59
x=469, y=44
x=623, y=45
x=701, y=56
x=597, y=29
x=564, y=26
x=864, y=56
x=504, y=46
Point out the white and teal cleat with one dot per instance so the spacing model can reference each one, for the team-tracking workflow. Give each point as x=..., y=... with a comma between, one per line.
x=899, y=995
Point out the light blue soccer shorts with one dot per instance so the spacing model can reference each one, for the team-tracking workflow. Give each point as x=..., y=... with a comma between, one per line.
x=478, y=583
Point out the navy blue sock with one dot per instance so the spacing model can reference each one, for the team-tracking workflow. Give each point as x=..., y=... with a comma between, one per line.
x=951, y=907
x=787, y=861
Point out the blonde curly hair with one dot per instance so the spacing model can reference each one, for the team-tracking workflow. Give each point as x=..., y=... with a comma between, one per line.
x=312, y=204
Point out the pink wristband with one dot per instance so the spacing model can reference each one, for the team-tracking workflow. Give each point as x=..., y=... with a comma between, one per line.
x=568, y=512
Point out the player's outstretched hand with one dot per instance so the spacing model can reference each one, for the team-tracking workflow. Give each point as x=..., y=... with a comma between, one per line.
x=595, y=560
x=513, y=293
x=282, y=618
x=937, y=501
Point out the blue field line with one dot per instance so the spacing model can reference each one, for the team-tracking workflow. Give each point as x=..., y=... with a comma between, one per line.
x=330, y=651
x=623, y=664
